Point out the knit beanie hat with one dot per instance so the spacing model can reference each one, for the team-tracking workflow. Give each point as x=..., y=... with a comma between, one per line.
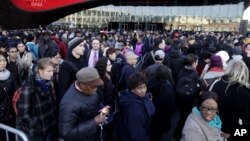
x=216, y=61
x=237, y=50
x=74, y=42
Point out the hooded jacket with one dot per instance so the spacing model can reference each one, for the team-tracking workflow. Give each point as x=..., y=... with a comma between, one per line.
x=175, y=62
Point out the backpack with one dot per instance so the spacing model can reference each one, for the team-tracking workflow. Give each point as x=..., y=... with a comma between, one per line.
x=186, y=89
x=139, y=65
x=140, y=62
x=16, y=99
x=186, y=86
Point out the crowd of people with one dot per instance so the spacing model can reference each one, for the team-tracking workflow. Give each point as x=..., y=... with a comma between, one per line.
x=98, y=85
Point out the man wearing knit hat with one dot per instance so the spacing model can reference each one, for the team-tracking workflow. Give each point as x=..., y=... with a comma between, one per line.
x=78, y=110
x=76, y=51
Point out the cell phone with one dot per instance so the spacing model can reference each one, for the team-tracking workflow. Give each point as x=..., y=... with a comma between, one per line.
x=105, y=111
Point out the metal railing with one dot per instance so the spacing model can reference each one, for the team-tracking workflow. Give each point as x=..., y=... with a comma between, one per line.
x=14, y=131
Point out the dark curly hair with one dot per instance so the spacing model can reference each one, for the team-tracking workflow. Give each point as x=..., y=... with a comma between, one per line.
x=136, y=80
x=101, y=66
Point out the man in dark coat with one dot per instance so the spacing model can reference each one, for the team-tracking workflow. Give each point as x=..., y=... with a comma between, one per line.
x=175, y=60
x=78, y=110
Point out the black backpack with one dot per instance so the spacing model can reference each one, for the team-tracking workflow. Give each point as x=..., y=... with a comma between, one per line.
x=140, y=62
x=186, y=90
x=186, y=86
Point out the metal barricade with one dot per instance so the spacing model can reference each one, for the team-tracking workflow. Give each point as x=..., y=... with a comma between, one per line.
x=14, y=131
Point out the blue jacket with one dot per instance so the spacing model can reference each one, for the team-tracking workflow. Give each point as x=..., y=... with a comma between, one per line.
x=136, y=114
x=33, y=48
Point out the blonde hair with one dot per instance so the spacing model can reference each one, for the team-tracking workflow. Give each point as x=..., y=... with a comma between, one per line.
x=237, y=72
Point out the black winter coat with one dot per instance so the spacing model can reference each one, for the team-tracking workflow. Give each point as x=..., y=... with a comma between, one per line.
x=127, y=71
x=136, y=113
x=233, y=105
x=7, y=89
x=76, y=116
x=164, y=108
x=106, y=93
x=78, y=62
x=175, y=62
x=66, y=76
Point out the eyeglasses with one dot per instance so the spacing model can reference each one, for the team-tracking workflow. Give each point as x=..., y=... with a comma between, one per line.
x=206, y=109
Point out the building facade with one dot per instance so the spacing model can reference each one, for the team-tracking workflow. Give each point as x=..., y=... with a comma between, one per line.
x=208, y=18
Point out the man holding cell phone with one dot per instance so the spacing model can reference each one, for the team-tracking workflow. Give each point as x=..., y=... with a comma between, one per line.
x=79, y=111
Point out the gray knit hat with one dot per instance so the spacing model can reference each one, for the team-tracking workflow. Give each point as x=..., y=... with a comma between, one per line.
x=89, y=76
x=74, y=42
x=237, y=50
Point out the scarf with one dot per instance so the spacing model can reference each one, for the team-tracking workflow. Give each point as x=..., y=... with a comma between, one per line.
x=216, y=122
x=149, y=107
x=4, y=75
x=44, y=85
